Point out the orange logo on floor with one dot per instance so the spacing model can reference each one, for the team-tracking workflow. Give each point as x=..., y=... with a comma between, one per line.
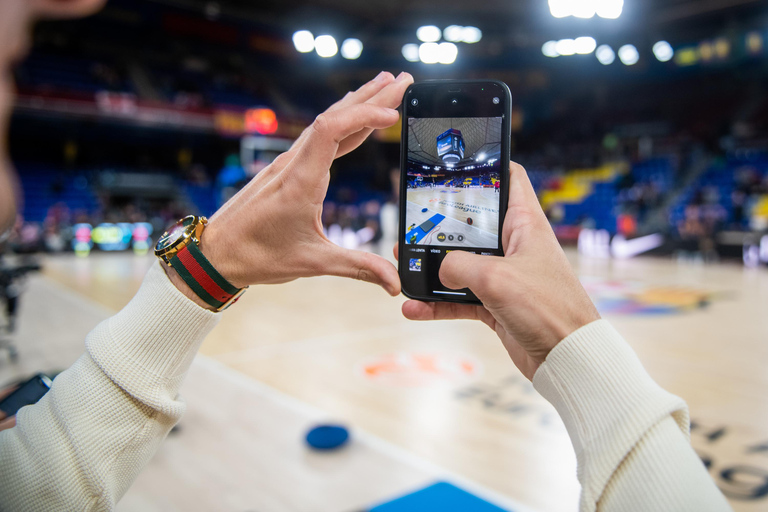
x=419, y=368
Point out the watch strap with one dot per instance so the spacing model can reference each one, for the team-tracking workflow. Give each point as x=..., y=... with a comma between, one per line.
x=195, y=269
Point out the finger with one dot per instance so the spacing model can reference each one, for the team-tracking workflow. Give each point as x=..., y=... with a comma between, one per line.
x=361, y=95
x=7, y=391
x=365, y=92
x=422, y=311
x=461, y=269
x=319, y=150
x=361, y=265
x=8, y=423
x=390, y=96
x=521, y=192
x=70, y=9
x=395, y=250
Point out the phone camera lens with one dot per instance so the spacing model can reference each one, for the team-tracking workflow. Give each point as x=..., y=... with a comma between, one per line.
x=496, y=100
x=414, y=102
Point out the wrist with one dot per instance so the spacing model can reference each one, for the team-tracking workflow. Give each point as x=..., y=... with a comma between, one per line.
x=184, y=288
x=190, y=271
x=223, y=256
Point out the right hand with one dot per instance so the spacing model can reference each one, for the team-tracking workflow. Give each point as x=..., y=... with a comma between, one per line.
x=531, y=296
x=5, y=421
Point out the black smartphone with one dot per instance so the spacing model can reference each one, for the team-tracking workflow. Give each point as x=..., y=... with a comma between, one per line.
x=27, y=393
x=454, y=179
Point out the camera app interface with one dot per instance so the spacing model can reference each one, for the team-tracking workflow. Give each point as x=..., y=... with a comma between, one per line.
x=453, y=186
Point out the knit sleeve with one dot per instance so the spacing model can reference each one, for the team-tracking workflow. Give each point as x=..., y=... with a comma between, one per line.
x=618, y=419
x=82, y=445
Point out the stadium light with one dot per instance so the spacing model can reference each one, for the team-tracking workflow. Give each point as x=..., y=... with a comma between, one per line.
x=585, y=45
x=428, y=34
x=411, y=52
x=471, y=35
x=303, y=41
x=326, y=46
x=566, y=47
x=549, y=49
x=447, y=53
x=453, y=33
x=584, y=9
x=609, y=9
x=351, y=48
x=605, y=54
x=480, y=157
x=560, y=8
x=429, y=53
x=628, y=55
x=663, y=51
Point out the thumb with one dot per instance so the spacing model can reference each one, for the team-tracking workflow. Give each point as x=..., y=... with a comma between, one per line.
x=360, y=265
x=462, y=269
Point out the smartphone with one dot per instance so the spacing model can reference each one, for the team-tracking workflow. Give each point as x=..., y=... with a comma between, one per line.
x=454, y=179
x=27, y=393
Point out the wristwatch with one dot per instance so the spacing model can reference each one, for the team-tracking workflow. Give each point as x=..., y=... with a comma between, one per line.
x=179, y=248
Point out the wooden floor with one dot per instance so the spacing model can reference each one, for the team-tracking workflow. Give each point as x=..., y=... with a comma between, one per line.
x=426, y=401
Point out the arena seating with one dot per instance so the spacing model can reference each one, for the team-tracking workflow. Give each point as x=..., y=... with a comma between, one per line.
x=70, y=74
x=716, y=185
x=45, y=186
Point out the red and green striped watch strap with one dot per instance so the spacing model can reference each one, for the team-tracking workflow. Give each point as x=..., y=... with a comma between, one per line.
x=202, y=277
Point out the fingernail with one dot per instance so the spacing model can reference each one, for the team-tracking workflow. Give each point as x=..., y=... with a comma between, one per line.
x=393, y=112
x=380, y=76
x=401, y=76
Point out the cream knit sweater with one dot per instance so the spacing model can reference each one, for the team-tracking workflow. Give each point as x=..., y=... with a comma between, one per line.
x=84, y=443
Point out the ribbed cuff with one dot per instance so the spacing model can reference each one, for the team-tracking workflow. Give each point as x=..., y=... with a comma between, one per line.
x=606, y=399
x=154, y=339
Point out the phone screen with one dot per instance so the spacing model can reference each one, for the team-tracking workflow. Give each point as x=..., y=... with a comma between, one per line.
x=454, y=180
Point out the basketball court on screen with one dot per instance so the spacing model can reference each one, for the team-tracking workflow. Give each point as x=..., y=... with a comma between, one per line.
x=471, y=213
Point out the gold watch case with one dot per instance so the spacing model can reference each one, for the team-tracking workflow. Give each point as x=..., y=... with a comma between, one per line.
x=177, y=237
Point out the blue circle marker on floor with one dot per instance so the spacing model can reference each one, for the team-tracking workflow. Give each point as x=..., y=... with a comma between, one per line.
x=424, y=210
x=327, y=437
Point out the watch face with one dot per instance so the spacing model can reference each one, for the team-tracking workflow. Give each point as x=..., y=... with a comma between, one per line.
x=174, y=234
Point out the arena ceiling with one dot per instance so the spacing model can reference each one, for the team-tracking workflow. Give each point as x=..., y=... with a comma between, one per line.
x=481, y=135
x=527, y=17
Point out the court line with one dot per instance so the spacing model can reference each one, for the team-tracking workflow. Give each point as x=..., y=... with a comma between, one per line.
x=396, y=452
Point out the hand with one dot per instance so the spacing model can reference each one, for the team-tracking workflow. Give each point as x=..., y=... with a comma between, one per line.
x=531, y=296
x=271, y=232
x=7, y=422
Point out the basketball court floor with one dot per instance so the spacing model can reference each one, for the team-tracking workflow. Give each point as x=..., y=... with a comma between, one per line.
x=471, y=214
x=425, y=402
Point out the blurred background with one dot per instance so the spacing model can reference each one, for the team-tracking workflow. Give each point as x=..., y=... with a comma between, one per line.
x=631, y=117
x=643, y=125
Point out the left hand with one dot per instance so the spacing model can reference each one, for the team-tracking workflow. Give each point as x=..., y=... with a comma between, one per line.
x=271, y=231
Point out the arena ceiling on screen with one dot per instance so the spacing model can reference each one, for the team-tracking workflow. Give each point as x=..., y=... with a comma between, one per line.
x=475, y=131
